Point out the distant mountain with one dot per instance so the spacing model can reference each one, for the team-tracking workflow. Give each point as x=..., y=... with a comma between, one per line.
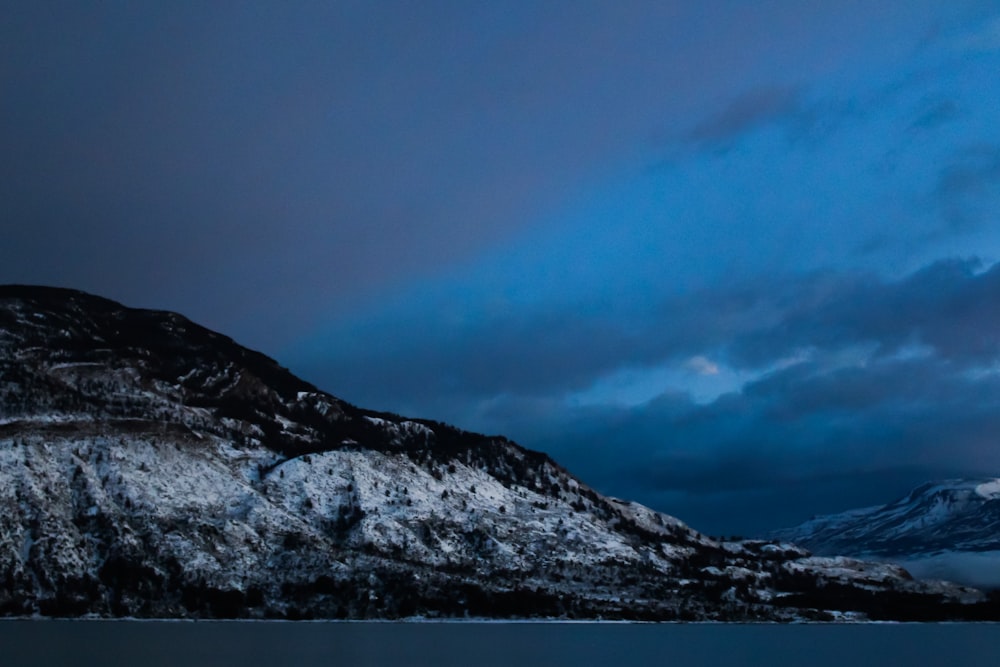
x=948, y=530
x=151, y=467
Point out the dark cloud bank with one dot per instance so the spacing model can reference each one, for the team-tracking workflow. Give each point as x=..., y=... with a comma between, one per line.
x=861, y=388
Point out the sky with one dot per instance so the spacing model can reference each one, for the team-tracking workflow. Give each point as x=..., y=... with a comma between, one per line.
x=737, y=261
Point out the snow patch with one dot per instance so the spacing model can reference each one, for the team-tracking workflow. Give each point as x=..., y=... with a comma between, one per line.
x=989, y=489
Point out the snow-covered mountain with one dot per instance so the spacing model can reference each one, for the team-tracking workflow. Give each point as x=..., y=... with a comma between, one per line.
x=948, y=529
x=151, y=467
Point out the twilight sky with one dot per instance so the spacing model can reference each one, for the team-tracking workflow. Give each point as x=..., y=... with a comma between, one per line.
x=738, y=261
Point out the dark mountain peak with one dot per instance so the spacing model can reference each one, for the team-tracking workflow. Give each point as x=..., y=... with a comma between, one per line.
x=80, y=356
x=50, y=294
x=79, y=325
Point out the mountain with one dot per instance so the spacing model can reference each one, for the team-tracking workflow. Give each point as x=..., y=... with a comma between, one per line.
x=150, y=467
x=948, y=529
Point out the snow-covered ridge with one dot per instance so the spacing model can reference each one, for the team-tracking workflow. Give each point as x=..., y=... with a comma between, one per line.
x=949, y=528
x=151, y=467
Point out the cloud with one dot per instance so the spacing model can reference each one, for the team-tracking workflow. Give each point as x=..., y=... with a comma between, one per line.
x=702, y=365
x=970, y=180
x=748, y=112
x=947, y=306
x=802, y=114
x=848, y=431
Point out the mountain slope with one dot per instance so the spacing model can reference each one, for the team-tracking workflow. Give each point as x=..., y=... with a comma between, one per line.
x=948, y=529
x=151, y=467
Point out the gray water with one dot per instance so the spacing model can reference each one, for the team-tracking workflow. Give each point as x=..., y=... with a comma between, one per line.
x=150, y=644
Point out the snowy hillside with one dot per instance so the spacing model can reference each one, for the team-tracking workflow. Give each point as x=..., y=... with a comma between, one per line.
x=946, y=530
x=150, y=467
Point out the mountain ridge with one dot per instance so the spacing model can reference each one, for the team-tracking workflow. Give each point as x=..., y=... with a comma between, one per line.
x=152, y=467
x=948, y=528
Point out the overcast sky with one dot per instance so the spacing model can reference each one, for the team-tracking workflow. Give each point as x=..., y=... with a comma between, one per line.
x=736, y=260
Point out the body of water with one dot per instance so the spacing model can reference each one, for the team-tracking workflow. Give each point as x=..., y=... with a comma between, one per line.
x=155, y=643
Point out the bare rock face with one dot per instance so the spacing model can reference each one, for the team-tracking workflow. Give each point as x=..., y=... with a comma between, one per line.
x=151, y=467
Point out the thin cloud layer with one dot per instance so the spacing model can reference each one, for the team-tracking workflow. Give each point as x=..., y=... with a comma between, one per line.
x=747, y=112
x=969, y=186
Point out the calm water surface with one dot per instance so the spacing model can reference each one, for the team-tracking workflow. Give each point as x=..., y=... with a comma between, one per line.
x=150, y=644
